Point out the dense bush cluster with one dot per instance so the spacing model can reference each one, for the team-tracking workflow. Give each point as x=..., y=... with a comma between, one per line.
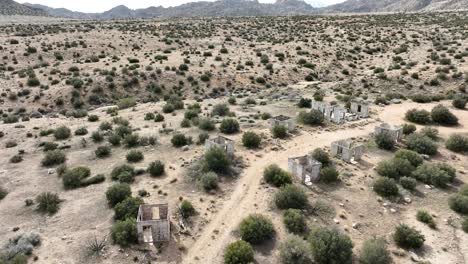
x=256, y=229
x=276, y=176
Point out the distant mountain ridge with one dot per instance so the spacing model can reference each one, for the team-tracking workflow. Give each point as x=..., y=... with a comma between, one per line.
x=237, y=8
x=359, y=6
x=10, y=7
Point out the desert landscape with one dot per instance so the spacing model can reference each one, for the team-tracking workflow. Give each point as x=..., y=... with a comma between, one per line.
x=255, y=139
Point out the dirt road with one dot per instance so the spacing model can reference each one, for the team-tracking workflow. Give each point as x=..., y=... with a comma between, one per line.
x=209, y=246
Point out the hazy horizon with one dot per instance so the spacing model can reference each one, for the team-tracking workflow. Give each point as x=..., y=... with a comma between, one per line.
x=104, y=5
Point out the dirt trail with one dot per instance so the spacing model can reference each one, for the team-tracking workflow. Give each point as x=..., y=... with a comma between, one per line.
x=209, y=246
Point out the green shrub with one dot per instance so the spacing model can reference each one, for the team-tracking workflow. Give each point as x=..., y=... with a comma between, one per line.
x=459, y=103
x=131, y=141
x=123, y=173
x=374, y=251
x=295, y=250
x=279, y=131
x=114, y=139
x=321, y=156
x=179, y=140
x=93, y=118
x=418, y=116
x=409, y=129
x=220, y=110
x=239, y=252
x=459, y=203
x=433, y=174
x=251, y=140
x=3, y=193
x=430, y=132
x=457, y=143
x=442, y=115
x=413, y=157
x=124, y=232
x=48, y=203
x=127, y=209
x=330, y=246
x=386, y=187
x=312, y=118
x=53, y=157
x=186, y=209
x=394, y=168
x=421, y=144
x=209, y=181
x=229, y=126
x=135, y=156
x=103, y=152
x=62, y=132
x=408, y=183
x=72, y=178
x=156, y=168
x=216, y=160
x=295, y=221
x=256, y=229
x=408, y=237
x=384, y=141
x=117, y=193
x=276, y=176
x=465, y=225
x=329, y=174
x=291, y=196
x=125, y=103
x=97, y=137
x=206, y=124
x=81, y=131
x=425, y=217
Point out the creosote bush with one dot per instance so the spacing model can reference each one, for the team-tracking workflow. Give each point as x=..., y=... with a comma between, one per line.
x=276, y=176
x=442, y=115
x=215, y=159
x=186, y=209
x=156, y=168
x=124, y=233
x=329, y=174
x=62, y=133
x=457, y=143
x=384, y=141
x=251, y=140
x=53, y=157
x=295, y=250
x=408, y=237
x=321, y=156
x=295, y=221
x=239, y=252
x=422, y=117
x=312, y=118
x=425, y=217
x=229, y=126
x=279, y=131
x=421, y=144
x=208, y=181
x=330, y=246
x=375, y=251
x=117, y=193
x=291, y=196
x=386, y=187
x=256, y=229
x=135, y=156
x=128, y=208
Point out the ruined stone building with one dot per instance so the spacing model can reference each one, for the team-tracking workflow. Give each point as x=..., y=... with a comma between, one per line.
x=360, y=108
x=153, y=224
x=394, y=132
x=347, y=150
x=221, y=142
x=305, y=168
x=333, y=113
x=283, y=121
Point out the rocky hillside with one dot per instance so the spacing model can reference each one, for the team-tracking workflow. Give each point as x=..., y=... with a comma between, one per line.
x=10, y=7
x=357, y=6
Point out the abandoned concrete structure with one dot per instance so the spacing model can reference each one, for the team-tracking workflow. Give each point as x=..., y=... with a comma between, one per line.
x=305, y=168
x=221, y=142
x=394, y=132
x=347, y=150
x=360, y=108
x=335, y=114
x=153, y=224
x=283, y=121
